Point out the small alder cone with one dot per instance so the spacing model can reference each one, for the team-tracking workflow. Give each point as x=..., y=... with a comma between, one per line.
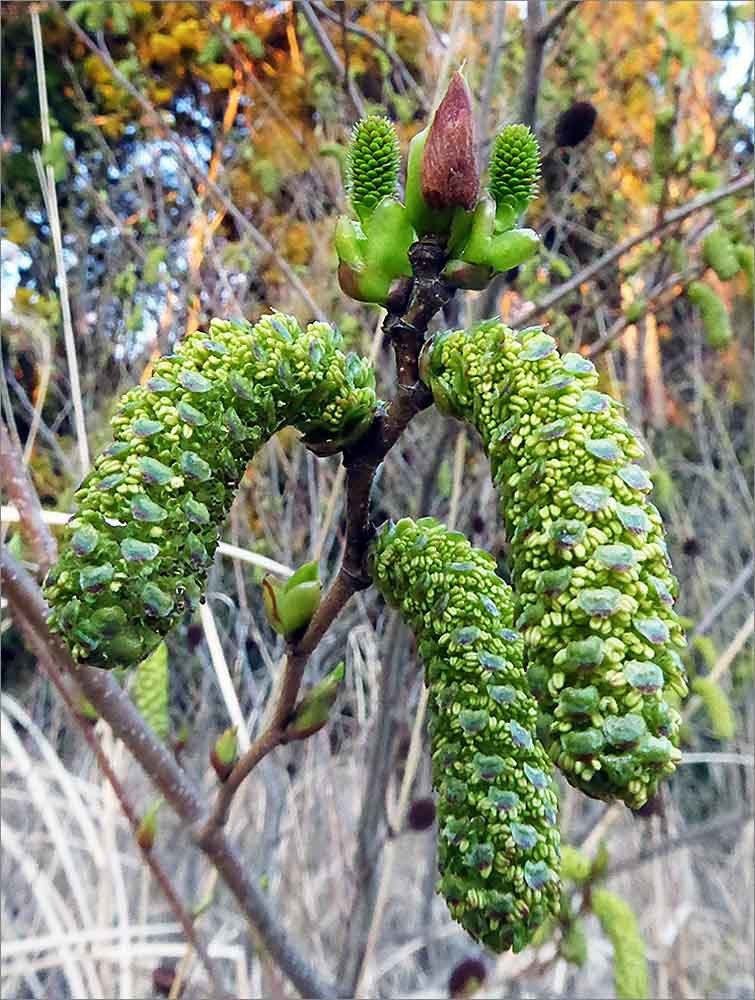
x=373, y=163
x=497, y=809
x=450, y=172
x=137, y=552
x=590, y=566
x=514, y=168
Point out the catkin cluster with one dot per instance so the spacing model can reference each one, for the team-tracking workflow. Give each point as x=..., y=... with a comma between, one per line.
x=138, y=550
x=497, y=810
x=590, y=566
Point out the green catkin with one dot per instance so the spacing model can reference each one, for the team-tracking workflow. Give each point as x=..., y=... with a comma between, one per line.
x=497, y=808
x=717, y=707
x=713, y=313
x=151, y=690
x=137, y=552
x=630, y=969
x=719, y=254
x=514, y=168
x=746, y=257
x=373, y=163
x=589, y=562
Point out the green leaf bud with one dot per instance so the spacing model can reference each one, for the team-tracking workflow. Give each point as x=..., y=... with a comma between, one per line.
x=313, y=711
x=147, y=829
x=290, y=606
x=619, y=924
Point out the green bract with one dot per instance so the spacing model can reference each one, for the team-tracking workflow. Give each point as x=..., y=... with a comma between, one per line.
x=497, y=809
x=589, y=560
x=149, y=511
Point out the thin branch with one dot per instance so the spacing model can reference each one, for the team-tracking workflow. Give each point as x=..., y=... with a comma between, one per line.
x=328, y=49
x=161, y=876
x=533, y=66
x=730, y=594
x=556, y=19
x=407, y=330
x=658, y=297
x=672, y=219
x=701, y=831
x=21, y=491
x=47, y=183
x=360, y=32
x=496, y=44
x=114, y=705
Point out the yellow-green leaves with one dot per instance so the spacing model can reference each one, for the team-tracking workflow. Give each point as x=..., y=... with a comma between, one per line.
x=151, y=690
x=289, y=606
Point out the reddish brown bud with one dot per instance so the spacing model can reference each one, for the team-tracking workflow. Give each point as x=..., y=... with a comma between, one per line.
x=450, y=175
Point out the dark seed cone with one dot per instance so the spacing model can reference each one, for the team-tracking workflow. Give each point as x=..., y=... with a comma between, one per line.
x=450, y=172
x=575, y=124
x=590, y=566
x=497, y=810
x=514, y=168
x=373, y=163
x=137, y=553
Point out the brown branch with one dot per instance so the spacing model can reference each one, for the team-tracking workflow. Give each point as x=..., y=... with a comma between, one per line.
x=20, y=489
x=672, y=218
x=114, y=705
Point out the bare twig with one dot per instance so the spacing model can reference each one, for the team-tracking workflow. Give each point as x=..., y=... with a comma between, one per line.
x=672, y=218
x=360, y=32
x=730, y=594
x=701, y=831
x=533, y=66
x=497, y=41
x=47, y=181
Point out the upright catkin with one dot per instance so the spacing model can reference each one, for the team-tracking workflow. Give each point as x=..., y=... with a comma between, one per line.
x=497, y=810
x=137, y=552
x=590, y=566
